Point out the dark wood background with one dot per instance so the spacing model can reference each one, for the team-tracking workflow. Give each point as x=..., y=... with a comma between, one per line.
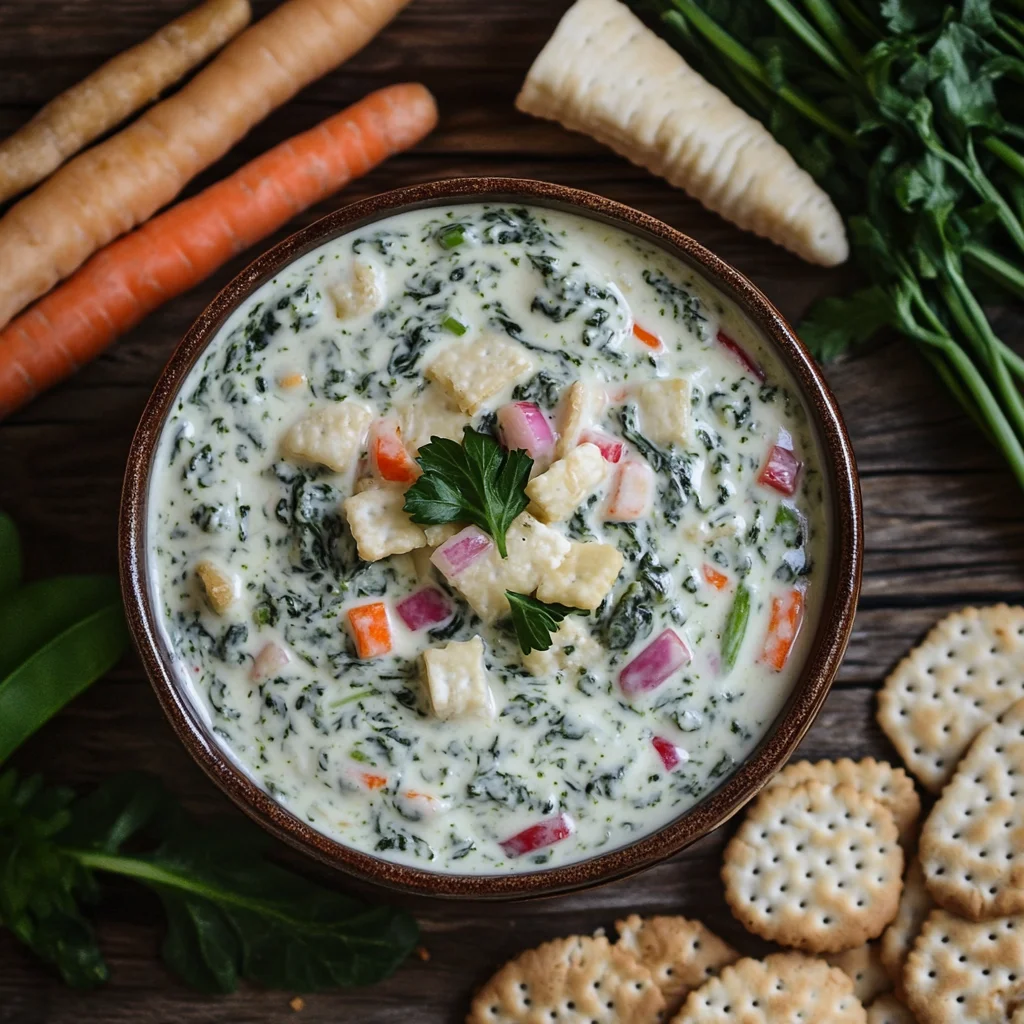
x=942, y=516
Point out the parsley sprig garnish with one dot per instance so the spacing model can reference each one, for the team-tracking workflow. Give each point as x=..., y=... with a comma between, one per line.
x=535, y=620
x=474, y=482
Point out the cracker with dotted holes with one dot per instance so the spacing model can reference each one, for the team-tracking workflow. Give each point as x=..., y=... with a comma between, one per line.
x=578, y=980
x=972, y=844
x=960, y=971
x=681, y=954
x=864, y=966
x=968, y=670
x=888, y=1009
x=816, y=867
x=782, y=988
x=898, y=939
x=878, y=779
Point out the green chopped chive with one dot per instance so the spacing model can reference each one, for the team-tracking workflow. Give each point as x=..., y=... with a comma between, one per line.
x=451, y=236
x=786, y=515
x=454, y=325
x=735, y=626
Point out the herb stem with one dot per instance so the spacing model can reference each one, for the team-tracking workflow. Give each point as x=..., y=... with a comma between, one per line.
x=810, y=37
x=995, y=267
x=743, y=58
x=853, y=14
x=1007, y=154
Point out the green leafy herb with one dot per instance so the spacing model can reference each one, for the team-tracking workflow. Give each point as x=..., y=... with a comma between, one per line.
x=451, y=236
x=735, y=626
x=231, y=914
x=535, y=620
x=474, y=482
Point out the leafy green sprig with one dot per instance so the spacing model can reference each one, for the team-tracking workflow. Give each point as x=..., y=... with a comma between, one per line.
x=534, y=621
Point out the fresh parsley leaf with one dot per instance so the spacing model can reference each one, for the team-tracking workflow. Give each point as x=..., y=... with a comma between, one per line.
x=834, y=325
x=535, y=621
x=474, y=482
x=231, y=913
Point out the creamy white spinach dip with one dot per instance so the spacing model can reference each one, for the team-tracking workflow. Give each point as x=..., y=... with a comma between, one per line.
x=363, y=667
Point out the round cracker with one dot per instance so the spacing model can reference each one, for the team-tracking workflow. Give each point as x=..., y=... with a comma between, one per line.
x=878, y=779
x=578, y=980
x=888, y=1009
x=783, y=987
x=898, y=939
x=972, y=845
x=815, y=867
x=680, y=954
x=968, y=670
x=962, y=971
x=864, y=967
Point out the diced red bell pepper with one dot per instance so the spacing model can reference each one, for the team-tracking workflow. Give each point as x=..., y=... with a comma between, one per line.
x=783, y=628
x=671, y=755
x=611, y=448
x=426, y=607
x=666, y=654
x=389, y=458
x=536, y=837
x=742, y=356
x=781, y=471
x=716, y=579
x=645, y=337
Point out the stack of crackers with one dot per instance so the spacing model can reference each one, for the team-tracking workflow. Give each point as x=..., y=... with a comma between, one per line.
x=824, y=865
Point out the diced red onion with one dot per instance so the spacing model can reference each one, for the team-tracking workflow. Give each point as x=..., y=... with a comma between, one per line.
x=544, y=833
x=671, y=755
x=523, y=425
x=426, y=607
x=781, y=471
x=461, y=551
x=742, y=356
x=270, y=659
x=610, y=447
x=666, y=654
x=634, y=489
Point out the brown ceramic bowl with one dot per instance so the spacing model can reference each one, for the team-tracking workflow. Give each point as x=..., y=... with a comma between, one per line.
x=833, y=631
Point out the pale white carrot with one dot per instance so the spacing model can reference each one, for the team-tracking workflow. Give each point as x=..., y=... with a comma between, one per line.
x=119, y=183
x=114, y=91
x=604, y=73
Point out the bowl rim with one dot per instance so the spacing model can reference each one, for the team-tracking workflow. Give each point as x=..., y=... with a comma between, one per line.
x=834, y=626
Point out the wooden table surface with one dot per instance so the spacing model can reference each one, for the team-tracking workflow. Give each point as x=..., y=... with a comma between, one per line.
x=942, y=516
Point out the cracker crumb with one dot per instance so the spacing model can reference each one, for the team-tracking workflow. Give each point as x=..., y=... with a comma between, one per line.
x=298, y=1004
x=423, y=953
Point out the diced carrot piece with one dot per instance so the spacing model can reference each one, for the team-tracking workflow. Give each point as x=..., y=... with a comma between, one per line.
x=717, y=579
x=292, y=380
x=648, y=339
x=389, y=457
x=783, y=628
x=632, y=494
x=373, y=781
x=371, y=629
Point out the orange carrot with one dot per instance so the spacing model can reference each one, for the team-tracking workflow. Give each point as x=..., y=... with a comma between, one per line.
x=717, y=579
x=650, y=340
x=109, y=189
x=370, y=629
x=373, y=781
x=783, y=628
x=176, y=250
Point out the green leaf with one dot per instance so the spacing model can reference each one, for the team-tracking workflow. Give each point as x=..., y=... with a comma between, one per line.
x=116, y=811
x=10, y=556
x=535, y=621
x=40, y=611
x=735, y=626
x=56, y=673
x=834, y=325
x=474, y=482
x=41, y=886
